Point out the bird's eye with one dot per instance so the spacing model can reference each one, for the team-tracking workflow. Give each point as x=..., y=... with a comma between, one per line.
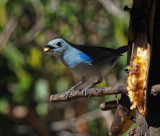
x=59, y=44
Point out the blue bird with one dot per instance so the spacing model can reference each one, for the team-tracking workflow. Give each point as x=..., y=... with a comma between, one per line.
x=84, y=60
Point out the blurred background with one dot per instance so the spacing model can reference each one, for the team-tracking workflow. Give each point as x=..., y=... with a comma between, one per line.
x=28, y=76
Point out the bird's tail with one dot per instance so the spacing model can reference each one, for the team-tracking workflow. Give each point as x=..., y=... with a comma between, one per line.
x=122, y=49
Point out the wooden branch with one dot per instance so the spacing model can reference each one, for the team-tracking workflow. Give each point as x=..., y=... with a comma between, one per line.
x=92, y=92
x=58, y=126
x=37, y=27
x=8, y=30
x=108, y=105
x=155, y=89
x=70, y=123
x=122, y=120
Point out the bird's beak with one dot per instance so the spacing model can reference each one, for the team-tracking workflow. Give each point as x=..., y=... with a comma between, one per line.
x=47, y=48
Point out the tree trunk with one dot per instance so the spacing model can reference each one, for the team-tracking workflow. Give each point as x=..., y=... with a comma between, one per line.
x=145, y=20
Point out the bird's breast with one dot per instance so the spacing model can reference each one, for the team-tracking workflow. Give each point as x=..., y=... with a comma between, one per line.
x=84, y=69
x=76, y=64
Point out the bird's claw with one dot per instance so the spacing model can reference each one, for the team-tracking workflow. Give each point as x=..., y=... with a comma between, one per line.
x=68, y=92
x=85, y=91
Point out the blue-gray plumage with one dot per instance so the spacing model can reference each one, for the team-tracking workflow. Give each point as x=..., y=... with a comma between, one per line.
x=84, y=60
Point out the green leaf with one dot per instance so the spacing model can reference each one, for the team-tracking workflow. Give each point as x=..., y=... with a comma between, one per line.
x=41, y=92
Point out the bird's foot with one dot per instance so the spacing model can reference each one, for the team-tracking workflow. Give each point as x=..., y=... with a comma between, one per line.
x=68, y=92
x=85, y=91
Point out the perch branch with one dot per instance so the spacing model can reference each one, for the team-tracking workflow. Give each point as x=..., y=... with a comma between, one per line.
x=92, y=92
x=155, y=89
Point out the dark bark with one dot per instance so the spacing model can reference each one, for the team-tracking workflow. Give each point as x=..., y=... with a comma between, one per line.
x=149, y=125
x=153, y=117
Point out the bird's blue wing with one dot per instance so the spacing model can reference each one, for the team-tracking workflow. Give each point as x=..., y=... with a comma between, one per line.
x=96, y=55
x=86, y=58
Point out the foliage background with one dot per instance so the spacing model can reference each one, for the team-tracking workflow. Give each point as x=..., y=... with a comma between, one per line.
x=28, y=76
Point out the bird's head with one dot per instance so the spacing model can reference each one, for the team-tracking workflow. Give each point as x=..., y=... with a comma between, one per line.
x=56, y=47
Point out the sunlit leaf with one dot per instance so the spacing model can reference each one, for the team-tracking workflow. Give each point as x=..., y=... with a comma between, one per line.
x=3, y=105
x=3, y=15
x=62, y=85
x=35, y=58
x=42, y=108
x=41, y=90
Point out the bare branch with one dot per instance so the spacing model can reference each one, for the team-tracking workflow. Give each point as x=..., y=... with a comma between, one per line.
x=155, y=89
x=108, y=105
x=92, y=92
x=8, y=30
x=112, y=8
x=37, y=27
x=70, y=123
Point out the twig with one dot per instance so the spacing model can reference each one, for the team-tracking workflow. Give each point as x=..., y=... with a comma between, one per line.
x=8, y=30
x=92, y=92
x=155, y=89
x=108, y=105
x=70, y=123
x=37, y=27
x=60, y=125
x=112, y=8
